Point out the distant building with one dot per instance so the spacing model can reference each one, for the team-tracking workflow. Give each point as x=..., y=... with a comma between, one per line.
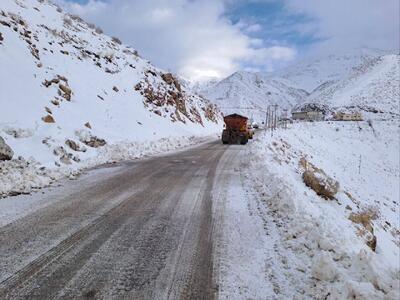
x=311, y=115
x=342, y=116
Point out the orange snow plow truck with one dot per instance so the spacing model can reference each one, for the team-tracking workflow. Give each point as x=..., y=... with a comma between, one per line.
x=236, y=130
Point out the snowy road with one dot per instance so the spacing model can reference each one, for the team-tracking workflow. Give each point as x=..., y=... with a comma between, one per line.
x=137, y=230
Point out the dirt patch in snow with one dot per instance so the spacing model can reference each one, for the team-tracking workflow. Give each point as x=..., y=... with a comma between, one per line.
x=364, y=218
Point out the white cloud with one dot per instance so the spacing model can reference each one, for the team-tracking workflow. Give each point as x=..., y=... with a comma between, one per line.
x=248, y=27
x=256, y=42
x=265, y=55
x=191, y=37
x=254, y=28
x=349, y=24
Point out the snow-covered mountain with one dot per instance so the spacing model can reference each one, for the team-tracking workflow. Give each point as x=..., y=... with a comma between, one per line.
x=312, y=72
x=250, y=94
x=362, y=79
x=69, y=92
x=372, y=88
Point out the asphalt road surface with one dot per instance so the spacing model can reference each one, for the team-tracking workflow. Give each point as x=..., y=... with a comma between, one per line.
x=134, y=230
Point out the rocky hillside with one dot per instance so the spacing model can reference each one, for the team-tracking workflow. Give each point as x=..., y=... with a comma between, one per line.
x=69, y=92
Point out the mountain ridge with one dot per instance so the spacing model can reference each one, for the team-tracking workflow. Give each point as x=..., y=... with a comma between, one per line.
x=319, y=81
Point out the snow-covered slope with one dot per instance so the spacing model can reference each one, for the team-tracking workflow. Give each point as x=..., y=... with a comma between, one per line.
x=69, y=92
x=330, y=242
x=362, y=79
x=199, y=86
x=312, y=72
x=251, y=93
x=372, y=87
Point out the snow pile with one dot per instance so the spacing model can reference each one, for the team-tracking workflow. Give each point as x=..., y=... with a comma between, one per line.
x=20, y=176
x=67, y=91
x=331, y=241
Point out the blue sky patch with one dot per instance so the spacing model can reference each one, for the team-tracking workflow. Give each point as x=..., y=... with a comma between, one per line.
x=278, y=27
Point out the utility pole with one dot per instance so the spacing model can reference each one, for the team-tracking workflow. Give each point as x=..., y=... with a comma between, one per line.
x=284, y=118
x=271, y=117
x=272, y=121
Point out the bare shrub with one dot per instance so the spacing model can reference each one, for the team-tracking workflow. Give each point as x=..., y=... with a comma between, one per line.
x=365, y=216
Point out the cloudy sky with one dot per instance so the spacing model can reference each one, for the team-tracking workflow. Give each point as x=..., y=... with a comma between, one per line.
x=214, y=38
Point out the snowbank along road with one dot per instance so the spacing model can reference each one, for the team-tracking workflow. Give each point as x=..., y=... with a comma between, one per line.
x=137, y=230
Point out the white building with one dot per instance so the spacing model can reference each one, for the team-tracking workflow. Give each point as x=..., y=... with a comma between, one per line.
x=308, y=115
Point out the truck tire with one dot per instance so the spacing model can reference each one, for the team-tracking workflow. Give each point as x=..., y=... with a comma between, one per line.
x=243, y=140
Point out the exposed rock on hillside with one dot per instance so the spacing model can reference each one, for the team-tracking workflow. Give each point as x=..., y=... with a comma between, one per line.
x=169, y=100
x=75, y=146
x=95, y=142
x=6, y=152
x=48, y=119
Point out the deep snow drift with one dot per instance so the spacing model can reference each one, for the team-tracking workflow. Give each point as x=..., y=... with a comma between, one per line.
x=328, y=242
x=72, y=97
